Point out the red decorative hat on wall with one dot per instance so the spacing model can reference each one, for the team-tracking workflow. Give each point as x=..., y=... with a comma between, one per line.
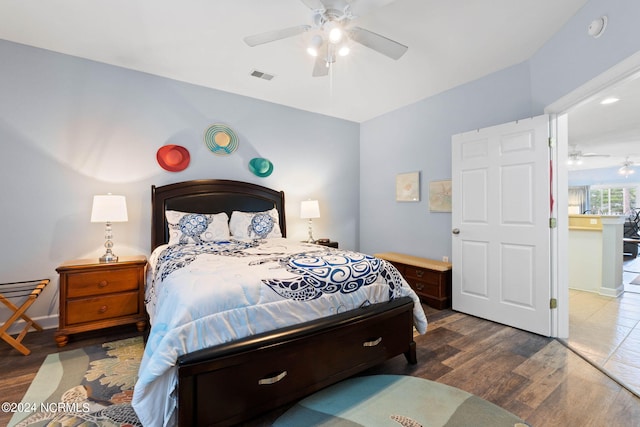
x=173, y=158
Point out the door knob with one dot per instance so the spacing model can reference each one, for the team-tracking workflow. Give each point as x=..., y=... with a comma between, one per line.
x=456, y=231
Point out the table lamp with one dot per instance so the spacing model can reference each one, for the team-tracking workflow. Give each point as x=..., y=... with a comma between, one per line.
x=310, y=209
x=109, y=208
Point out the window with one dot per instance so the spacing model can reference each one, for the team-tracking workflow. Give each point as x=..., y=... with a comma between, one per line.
x=608, y=200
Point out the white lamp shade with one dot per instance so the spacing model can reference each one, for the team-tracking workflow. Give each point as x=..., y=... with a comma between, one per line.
x=109, y=208
x=310, y=209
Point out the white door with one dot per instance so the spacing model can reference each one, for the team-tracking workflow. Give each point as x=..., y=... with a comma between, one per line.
x=501, y=235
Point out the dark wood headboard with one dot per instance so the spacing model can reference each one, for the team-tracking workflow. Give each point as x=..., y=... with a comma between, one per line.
x=210, y=196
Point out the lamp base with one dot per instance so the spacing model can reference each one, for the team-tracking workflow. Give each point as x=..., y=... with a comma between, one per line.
x=108, y=244
x=310, y=239
x=108, y=257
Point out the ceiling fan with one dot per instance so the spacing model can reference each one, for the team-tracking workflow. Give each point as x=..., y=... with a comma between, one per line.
x=576, y=156
x=627, y=168
x=332, y=25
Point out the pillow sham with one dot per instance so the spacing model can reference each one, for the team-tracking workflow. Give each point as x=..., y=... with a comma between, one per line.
x=186, y=227
x=255, y=225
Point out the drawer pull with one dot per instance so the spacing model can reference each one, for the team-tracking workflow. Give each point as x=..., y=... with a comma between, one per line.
x=103, y=309
x=273, y=380
x=419, y=273
x=419, y=286
x=372, y=343
x=103, y=284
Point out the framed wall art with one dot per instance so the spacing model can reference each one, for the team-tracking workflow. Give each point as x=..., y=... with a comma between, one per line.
x=440, y=196
x=408, y=187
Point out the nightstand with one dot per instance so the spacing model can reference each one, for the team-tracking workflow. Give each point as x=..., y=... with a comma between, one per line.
x=430, y=279
x=96, y=295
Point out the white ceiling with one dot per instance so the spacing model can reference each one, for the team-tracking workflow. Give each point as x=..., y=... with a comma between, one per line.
x=450, y=42
x=612, y=130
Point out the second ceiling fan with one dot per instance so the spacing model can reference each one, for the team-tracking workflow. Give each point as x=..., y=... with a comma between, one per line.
x=575, y=156
x=333, y=31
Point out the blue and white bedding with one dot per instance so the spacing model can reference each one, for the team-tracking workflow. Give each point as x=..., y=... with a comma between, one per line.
x=201, y=295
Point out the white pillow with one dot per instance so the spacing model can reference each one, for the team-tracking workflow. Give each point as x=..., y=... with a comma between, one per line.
x=255, y=225
x=185, y=227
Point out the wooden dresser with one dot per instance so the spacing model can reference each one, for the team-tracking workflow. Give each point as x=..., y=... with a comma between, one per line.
x=430, y=279
x=96, y=295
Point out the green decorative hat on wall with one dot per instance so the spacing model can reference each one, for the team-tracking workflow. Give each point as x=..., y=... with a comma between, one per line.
x=260, y=167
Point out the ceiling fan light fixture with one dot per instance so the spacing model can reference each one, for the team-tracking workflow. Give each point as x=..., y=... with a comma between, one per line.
x=574, y=160
x=626, y=169
x=344, y=50
x=336, y=33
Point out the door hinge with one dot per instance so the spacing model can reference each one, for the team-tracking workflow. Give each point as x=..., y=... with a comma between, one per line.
x=553, y=223
x=553, y=303
x=551, y=142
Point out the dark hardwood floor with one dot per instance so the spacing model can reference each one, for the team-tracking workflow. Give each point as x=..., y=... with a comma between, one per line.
x=536, y=378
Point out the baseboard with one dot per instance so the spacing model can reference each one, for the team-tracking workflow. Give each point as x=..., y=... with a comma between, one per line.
x=609, y=292
x=47, y=322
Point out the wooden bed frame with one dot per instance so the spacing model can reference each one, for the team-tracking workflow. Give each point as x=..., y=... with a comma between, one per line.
x=236, y=381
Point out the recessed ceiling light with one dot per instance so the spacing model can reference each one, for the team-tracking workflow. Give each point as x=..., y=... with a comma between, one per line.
x=609, y=100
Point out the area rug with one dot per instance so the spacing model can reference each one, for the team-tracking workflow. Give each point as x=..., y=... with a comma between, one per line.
x=393, y=400
x=90, y=386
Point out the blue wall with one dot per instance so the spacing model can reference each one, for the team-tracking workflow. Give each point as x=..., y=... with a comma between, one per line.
x=571, y=57
x=418, y=137
x=71, y=128
x=601, y=176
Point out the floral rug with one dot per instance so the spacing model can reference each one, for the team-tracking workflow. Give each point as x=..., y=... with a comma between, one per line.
x=87, y=387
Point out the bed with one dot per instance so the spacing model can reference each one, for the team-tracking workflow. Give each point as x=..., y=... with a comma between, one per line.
x=215, y=360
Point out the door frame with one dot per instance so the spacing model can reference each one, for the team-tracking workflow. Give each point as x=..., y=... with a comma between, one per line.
x=559, y=111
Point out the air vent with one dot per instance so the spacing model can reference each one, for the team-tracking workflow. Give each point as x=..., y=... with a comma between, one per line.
x=262, y=75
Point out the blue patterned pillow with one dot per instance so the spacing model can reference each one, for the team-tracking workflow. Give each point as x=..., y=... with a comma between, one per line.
x=255, y=225
x=185, y=227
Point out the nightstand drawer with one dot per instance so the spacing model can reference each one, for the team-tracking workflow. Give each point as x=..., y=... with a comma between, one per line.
x=102, y=282
x=105, y=307
x=421, y=274
x=424, y=288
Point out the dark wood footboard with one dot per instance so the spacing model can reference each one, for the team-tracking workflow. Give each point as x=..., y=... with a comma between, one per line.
x=233, y=382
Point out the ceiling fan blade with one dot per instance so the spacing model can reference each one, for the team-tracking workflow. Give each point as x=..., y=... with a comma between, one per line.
x=270, y=36
x=385, y=46
x=314, y=4
x=594, y=155
x=362, y=7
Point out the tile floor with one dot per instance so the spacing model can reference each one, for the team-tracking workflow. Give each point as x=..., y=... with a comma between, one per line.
x=606, y=331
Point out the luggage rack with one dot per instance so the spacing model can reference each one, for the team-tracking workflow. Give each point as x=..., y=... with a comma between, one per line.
x=27, y=291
